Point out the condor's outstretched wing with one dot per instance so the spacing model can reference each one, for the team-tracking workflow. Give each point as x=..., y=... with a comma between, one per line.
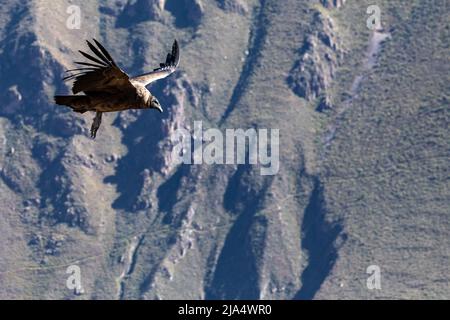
x=99, y=74
x=164, y=70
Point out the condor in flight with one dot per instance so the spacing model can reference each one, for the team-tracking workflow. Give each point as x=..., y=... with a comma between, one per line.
x=107, y=88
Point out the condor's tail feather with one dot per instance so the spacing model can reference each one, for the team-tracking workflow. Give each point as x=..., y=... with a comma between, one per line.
x=77, y=103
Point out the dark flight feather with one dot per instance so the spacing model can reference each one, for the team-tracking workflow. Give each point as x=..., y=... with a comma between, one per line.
x=80, y=69
x=164, y=70
x=172, y=59
x=105, y=52
x=70, y=77
x=93, y=59
x=88, y=64
x=98, y=53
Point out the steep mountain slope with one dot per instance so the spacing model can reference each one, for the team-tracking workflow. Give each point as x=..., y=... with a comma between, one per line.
x=393, y=192
x=363, y=178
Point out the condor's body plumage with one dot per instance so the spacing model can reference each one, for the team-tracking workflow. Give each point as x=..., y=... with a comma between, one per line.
x=107, y=88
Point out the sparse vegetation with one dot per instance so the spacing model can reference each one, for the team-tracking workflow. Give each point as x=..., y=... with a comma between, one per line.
x=364, y=182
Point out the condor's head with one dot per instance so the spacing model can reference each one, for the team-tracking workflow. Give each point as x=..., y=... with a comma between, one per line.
x=153, y=103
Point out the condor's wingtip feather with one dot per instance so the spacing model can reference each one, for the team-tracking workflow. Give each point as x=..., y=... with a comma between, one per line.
x=88, y=56
x=172, y=59
x=80, y=69
x=105, y=52
x=70, y=77
x=100, y=55
x=88, y=64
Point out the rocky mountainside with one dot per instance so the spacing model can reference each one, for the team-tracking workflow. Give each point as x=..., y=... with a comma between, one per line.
x=363, y=181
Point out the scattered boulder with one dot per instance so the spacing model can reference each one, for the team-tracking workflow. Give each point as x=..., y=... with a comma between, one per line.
x=49, y=245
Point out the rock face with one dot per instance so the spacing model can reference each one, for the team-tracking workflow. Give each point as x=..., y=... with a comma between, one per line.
x=136, y=11
x=236, y=6
x=312, y=75
x=195, y=11
x=140, y=226
x=178, y=92
x=187, y=13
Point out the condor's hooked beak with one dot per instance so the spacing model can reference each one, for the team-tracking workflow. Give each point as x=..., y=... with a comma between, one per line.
x=156, y=105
